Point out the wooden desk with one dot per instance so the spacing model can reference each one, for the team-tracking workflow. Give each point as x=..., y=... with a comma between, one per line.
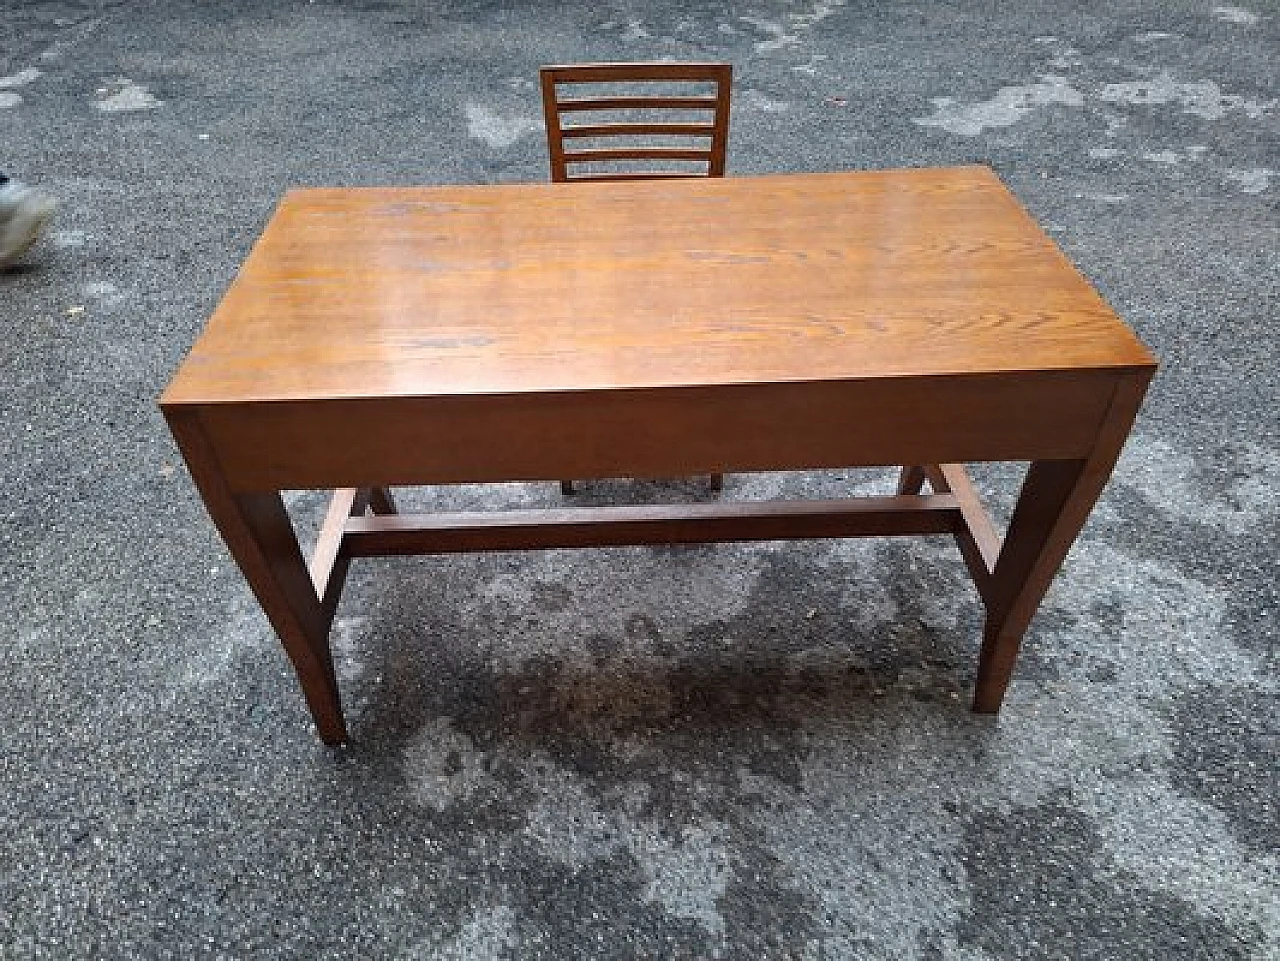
x=535, y=332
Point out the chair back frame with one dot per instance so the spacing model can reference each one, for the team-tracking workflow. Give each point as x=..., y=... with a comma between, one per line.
x=716, y=132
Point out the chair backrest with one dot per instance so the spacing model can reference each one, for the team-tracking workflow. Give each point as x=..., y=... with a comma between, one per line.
x=702, y=142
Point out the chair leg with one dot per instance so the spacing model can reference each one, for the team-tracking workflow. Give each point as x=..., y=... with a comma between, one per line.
x=566, y=487
x=381, y=501
x=911, y=480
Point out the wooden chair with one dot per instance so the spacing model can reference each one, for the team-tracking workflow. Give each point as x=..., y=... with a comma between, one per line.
x=703, y=143
x=712, y=128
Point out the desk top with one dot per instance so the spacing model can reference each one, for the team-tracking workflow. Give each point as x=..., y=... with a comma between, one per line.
x=433, y=291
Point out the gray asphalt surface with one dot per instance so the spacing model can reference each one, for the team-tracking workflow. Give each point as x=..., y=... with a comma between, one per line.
x=736, y=752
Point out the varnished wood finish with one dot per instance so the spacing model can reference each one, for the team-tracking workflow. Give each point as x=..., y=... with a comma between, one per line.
x=714, y=128
x=954, y=479
x=911, y=480
x=1055, y=501
x=261, y=539
x=638, y=129
x=345, y=502
x=715, y=132
x=649, y=524
x=539, y=288
x=381, y=501
x=658, y=432
x=329, y=562
x=977, y=537
x=654, y=328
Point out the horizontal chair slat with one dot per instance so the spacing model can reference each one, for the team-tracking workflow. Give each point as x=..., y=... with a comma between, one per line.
x=638, y=103
x=654, y=175
x=637, y=153
x=639, y=129
x=606, y=72
x=648, y=524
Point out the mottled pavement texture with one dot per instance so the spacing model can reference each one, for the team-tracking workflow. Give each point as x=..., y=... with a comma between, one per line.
x=733, y=752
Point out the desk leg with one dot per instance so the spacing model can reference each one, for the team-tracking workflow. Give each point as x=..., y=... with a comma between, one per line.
x=260, y=536
x=1053, y=506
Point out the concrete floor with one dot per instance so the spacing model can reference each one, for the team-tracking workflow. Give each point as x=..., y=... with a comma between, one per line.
x=736, y=752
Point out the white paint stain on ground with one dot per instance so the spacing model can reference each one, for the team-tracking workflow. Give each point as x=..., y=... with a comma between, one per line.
x=789, y=31
x=103, y=293
x=817, y=13
x=1176, y=622
x=19, y=79
x=1203, y=98
x=1151, y=36
x=498, y=130
x=753, y=99
x=1095, y=739
x=1254, y=181
x=632, y=30
x=490, y=934
x=8, y=98
x=1114, y=121
x=566, y=823
x=348, y=657
x=1238, y=498
x=67, y=239
x=442, y=766
x=241, y=633
x=1240, y=15
x=810, y=69
x=1069, y=58
x=686, y=874
x=572, y=825
x=1104, y=198
x=777, y=33
x=1104, y=153
x=635, y=30
x=122, y=95
x=1194, y=846
x=1007, y=107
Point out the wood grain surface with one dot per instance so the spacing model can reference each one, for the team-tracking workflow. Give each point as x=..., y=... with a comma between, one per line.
x=439, y=291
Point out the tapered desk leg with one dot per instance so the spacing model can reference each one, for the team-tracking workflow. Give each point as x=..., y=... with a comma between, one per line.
x=1040, y=533
x=1053, y=506
x=260, y=536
